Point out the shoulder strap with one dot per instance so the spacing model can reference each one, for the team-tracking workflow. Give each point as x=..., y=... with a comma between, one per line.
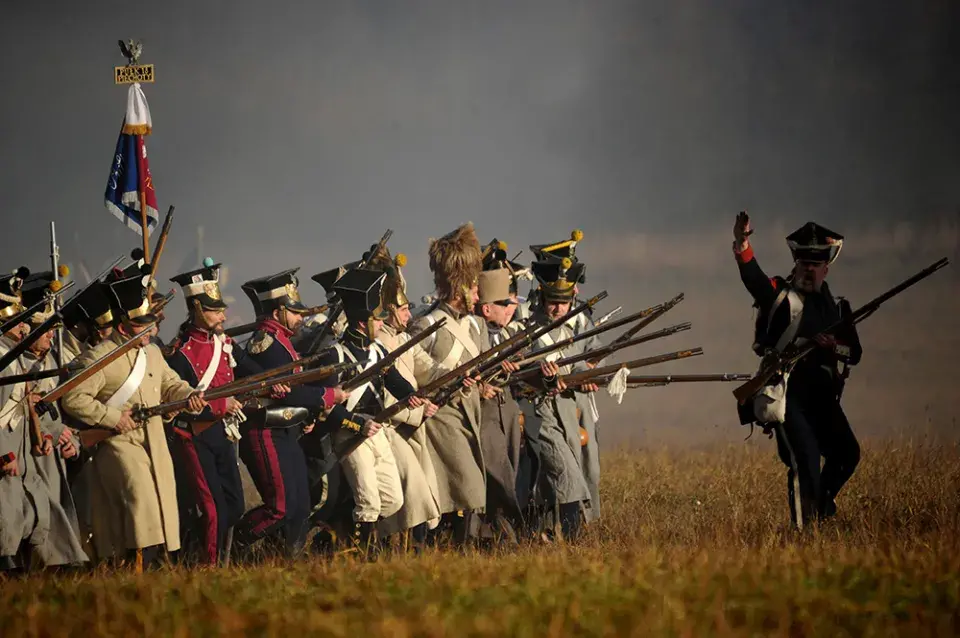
x=134, y=379
x=796, y=314
x=212, y=367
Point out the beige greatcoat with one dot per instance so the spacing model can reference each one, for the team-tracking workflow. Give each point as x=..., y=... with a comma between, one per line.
x=134, y=495
x=419, y=479
x=453, y=433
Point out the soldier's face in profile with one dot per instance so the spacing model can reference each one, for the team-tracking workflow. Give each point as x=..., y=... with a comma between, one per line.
x=212, y=320
x=401, y=316
x=809, y=275
x=18, y=332
x=374, y=327
x=42, y=345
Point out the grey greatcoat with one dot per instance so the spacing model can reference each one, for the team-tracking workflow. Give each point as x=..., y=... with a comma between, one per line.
x=501, y=433
x=32, y=503
x=453, y=433
x=559, y=428
x=417, y=475
x=134, y=498
x=586, y=403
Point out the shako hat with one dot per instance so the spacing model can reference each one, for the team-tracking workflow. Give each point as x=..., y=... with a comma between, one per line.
x=202, y=286
x=557, y=278
x=329, y=277
x=360, y=292
x=91, y=305
x=38, y=287
x=275, y=291
x=129, y=299
x=813, y=242
x=10, y=296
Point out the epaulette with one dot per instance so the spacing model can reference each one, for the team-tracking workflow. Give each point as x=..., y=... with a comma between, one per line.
x=259, y=342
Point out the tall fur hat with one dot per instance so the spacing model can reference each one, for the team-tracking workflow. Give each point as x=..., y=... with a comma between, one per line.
x=456, y=261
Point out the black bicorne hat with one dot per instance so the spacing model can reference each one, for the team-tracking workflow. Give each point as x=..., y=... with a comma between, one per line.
x=129, y=299
x=10, y=295
x=558, y=250
x=276, y=291
x=557, y=278
x=813, y=242
x=328, y=278
x=202, y=286
x=359, y=290
x=91, y=305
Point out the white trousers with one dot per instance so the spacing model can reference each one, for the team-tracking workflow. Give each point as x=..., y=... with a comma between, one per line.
x=371, y=471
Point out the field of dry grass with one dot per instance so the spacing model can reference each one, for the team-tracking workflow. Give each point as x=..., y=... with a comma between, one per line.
x=691, y=543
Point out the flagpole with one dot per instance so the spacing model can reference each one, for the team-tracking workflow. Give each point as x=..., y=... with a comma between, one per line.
x=144, y=226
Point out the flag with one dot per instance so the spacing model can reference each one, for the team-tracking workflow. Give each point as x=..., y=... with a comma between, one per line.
x=130, y=172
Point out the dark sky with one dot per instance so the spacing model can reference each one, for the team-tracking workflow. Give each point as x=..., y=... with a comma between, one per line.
x=295, y=133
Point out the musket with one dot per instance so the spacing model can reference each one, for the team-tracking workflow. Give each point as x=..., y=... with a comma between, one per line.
x=46, y=401
x=596, y=353
x=643, y=323
x=27, y=377
x=338, y=306
x=29, y=340
x=777, y=363
x=352, y=443
x=55, y=263
x=236, y=331
x=162, y=240
x=95, y=434
x=607, y=317
x=588, y=376
x=392, y=356
x=21, y=316
x=646, y=381
x=489, y=359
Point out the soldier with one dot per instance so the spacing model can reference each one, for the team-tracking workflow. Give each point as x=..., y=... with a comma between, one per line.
x=501, y=428
x=814, y=425
x=453, y=433
x=270, y=447
x=33, y=522
x=587, y=412
x=563, y=479
x=134, y=498
x=87, y=321
x=204, y=446
x=40, y=357
x=420, y=511
x=371, y=469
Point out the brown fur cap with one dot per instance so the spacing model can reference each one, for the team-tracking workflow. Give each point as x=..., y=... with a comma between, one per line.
x=456, y=261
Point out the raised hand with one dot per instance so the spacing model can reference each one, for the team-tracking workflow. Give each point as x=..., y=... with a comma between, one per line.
x=742, y=230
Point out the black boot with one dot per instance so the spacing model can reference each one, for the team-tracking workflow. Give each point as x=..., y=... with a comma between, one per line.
x=570, y=523
x=363, y=539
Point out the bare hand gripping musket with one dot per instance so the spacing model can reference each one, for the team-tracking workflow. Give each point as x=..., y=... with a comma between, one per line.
x=786, y=360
